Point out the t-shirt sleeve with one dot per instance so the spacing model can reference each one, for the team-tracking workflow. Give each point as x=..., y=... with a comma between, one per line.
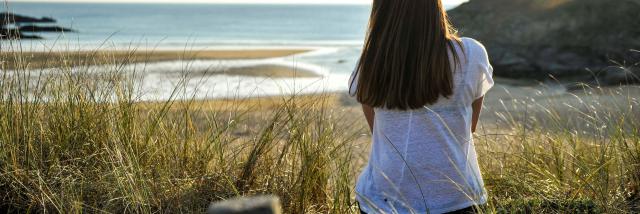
x=483, y=72
x=353, y=83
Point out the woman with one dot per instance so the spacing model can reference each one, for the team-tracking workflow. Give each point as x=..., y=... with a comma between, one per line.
x=421, y=88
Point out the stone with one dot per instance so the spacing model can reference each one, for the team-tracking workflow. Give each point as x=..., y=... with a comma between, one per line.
x=247, y=205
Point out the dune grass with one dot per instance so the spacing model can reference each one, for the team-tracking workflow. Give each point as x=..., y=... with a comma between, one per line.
x=577, y=154
x=78, y=141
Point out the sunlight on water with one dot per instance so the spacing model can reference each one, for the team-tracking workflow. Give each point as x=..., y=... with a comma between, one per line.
x=335, y=33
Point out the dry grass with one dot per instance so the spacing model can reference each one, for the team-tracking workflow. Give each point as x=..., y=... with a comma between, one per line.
x=71, y=143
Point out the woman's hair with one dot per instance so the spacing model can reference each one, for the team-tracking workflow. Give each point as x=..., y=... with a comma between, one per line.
x=405, y=62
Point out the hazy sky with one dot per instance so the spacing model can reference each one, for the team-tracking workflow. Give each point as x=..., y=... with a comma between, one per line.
x=229, y=1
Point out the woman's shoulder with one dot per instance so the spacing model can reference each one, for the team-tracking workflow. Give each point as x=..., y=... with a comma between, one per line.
x=471, y=42
x=474, y=49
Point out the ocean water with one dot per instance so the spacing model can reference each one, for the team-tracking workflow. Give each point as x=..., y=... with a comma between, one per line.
x=334, y=33
x=175, y=25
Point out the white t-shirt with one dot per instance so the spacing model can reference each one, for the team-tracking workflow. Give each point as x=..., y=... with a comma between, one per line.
x=424, y=160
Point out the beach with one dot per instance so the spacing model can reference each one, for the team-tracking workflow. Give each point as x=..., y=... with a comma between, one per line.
x=509, y=102
x=203, y=74
x=53, y=59
x=254, y=80
x=270, y=69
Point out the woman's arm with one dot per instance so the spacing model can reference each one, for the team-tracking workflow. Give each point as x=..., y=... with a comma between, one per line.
x=369, y=114
x=477, y=107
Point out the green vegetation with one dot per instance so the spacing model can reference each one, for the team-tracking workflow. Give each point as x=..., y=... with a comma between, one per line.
x=80, y=141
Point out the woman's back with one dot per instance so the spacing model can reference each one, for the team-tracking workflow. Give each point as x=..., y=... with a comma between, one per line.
x=423, y=160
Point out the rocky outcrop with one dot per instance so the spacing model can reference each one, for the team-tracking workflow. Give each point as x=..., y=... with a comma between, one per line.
x=561, y=38
x=54, y=29
x=13, y=26
x=12, y=18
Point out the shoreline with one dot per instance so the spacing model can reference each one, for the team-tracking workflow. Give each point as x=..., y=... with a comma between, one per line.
x=49, y=59
x=263, y=62
x=205, y=74
x=224, y=75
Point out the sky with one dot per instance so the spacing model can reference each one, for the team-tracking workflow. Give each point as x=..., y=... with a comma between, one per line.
x=229, y=1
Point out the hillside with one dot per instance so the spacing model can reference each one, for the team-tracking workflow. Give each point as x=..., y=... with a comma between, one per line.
x=538, y=38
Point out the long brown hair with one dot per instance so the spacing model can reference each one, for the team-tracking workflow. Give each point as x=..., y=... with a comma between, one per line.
x=405, y=62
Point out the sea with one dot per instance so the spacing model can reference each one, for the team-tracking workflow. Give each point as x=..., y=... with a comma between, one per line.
x=333, y=33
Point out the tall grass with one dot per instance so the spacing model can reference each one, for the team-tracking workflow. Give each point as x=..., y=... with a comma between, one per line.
x=571, y=153
x=73, y=140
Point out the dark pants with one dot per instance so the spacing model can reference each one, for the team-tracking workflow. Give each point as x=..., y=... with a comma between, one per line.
x=468, y=210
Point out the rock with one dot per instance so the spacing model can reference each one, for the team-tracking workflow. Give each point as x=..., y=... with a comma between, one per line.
x=55, y=29
x=11, y=18
x=541, y=38
x=251, y=205
x=16, y=32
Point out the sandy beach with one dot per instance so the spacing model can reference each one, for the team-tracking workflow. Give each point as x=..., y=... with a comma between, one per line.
x=510, y=101
x=500, y=99
x=41, y=60
x=509, y=104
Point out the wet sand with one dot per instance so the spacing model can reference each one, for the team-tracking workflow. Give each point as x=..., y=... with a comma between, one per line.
x=42, y=60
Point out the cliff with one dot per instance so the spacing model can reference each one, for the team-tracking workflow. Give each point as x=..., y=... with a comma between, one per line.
x=563, y=38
